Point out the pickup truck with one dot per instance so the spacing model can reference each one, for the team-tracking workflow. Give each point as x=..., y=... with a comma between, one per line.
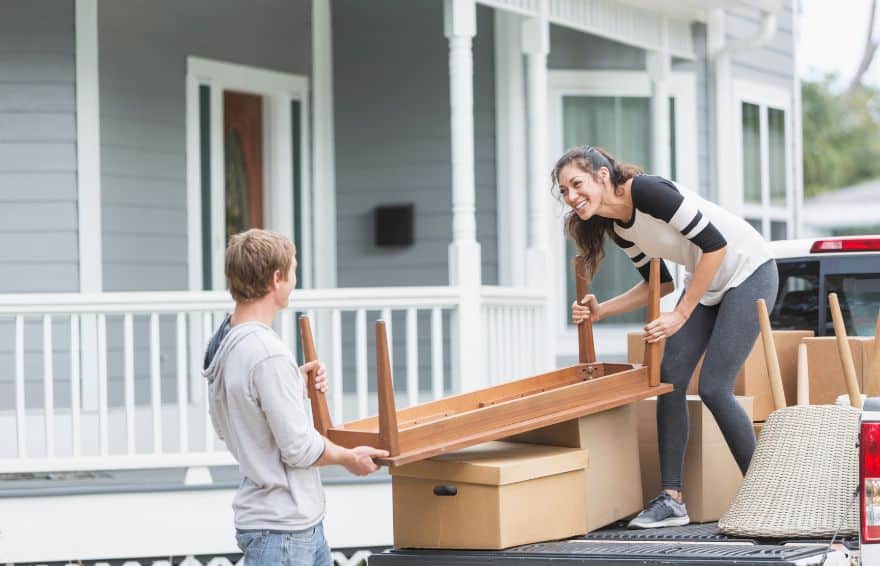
x=808, y=271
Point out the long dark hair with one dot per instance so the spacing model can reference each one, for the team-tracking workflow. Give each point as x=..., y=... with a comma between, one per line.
x=589, y=235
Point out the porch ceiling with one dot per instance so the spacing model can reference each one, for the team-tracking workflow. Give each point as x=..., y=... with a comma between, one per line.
x=699, y=9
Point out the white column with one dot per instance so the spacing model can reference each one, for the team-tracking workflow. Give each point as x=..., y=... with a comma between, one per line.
x=722, y=109
x=536, y=46
x=88, y=149
x=659, y=69
x=797, y=127
x=324, y=152
x=460, y=25
x=510, y=144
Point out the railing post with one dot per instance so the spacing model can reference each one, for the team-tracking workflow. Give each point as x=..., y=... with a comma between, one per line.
x=460, y=26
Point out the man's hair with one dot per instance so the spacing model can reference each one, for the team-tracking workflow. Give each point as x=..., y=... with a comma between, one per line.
x=252, y=257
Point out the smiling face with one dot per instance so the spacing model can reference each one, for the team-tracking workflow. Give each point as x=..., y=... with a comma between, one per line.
x=580, y=190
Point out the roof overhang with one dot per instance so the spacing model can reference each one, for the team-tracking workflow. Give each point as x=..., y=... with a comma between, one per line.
x=698, y=10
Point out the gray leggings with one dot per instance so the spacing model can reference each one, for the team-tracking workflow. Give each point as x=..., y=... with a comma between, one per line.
x=726, y=332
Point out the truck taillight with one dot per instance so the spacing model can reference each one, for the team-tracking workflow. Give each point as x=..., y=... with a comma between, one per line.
x=870, y=244
x=869, y=481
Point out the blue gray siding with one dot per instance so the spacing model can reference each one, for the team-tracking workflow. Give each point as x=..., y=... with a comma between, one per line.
x=773, y=63
x=38, y=193
x=391, y=104
x=143, y=48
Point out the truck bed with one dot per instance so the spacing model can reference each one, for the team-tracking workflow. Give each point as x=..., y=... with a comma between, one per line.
x=615, y=546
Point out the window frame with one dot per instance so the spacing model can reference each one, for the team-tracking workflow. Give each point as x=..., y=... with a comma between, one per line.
x=279, y=91
x=765, y=97
x=682, y=87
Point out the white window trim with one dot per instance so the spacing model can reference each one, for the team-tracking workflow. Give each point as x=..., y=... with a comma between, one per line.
x=764, y=96
x=682, y=87
x=278, y=91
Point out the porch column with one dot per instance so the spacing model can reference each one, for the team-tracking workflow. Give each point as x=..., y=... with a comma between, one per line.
x=536, y=46
x=460, y=25
x=658, y=69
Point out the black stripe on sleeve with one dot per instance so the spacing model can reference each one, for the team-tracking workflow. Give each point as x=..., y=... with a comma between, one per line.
x=638, y=258
x=693, y=223
x=709, y=239
x=665, y=276
x=621, y=241
x=656, y=196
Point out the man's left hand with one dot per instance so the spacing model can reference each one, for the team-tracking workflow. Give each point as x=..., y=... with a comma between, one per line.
x=320, y=376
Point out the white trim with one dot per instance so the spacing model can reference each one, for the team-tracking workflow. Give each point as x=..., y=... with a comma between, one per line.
x=510, y=133
x=763, y=96
x=88, y=147
x=797, y=125
x=324, y=164
x=681, y=86
x=278, y=91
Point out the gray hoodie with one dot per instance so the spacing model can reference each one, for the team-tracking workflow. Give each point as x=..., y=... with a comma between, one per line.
x=258, y=404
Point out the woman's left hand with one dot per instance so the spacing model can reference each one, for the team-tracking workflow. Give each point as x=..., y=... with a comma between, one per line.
x=664, y=326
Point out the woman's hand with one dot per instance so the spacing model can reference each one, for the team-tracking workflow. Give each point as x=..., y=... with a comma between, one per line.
x=320, y=375
x=664, y=326
x=590, y=309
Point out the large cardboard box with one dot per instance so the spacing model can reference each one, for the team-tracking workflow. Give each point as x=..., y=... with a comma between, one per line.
x=491, y=496
x=752, y=380
x=826, y=369
x=710, y=477
x=614, y=488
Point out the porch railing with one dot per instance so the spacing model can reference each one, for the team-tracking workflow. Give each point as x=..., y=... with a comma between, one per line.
x=112, y=380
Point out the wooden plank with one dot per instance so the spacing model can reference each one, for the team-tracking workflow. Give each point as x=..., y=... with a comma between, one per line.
x=586, y=344
x=652, y=350
x=320, y=411
x=388, y=431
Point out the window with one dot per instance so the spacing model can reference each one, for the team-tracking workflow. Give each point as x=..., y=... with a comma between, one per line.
x=797, y=302
x=766, y=171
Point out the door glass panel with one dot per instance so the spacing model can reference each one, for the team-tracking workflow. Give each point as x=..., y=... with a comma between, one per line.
x=751, y=136
x=622, y=125
x=243, y=153
x=205, y=167
x=778, y=230
x=756, y=224
x=776, y=159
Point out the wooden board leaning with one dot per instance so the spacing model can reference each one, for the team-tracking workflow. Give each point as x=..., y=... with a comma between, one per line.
x=426, y=430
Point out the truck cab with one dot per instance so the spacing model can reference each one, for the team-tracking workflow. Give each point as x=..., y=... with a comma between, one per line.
x=809, y=269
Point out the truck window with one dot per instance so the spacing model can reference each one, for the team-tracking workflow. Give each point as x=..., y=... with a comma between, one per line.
x=797, y=302
x=859, y=296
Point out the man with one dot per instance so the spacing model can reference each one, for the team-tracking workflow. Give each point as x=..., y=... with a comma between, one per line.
x=258, y=401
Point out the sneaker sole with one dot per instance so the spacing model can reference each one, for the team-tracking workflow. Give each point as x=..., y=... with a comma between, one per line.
x=671, y=522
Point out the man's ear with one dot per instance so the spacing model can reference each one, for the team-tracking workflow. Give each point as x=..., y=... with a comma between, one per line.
x=276, y=279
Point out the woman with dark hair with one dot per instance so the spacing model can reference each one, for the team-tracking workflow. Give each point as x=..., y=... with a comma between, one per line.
x=728, y=267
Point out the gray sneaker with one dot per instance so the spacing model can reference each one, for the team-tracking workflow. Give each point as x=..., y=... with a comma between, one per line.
x=662, y=511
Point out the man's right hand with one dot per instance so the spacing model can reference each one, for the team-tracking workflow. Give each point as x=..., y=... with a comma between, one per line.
x=360, y=461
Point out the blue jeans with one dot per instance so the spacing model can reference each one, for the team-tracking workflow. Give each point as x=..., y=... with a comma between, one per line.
x=284, y=548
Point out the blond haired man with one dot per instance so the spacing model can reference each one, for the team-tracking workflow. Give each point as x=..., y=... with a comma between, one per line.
x=258, y=407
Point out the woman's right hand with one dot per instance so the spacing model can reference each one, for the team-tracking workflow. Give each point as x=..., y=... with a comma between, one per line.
x=590, y=309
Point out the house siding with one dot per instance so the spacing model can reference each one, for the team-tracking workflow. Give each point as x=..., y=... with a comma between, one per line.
x=38, y=190
x=772, y=63
x=393, y=140
x=143, y=117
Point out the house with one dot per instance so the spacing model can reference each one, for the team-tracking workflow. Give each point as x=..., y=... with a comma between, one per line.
x=845, y=211
x=135, y=135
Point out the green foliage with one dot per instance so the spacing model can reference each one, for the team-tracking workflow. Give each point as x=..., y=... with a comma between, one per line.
x=841, y=136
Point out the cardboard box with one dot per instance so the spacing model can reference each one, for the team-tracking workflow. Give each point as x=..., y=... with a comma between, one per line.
x=752, y=380
x=710, y=477
x=826, y=370
x=614, y=488
x=491, y=496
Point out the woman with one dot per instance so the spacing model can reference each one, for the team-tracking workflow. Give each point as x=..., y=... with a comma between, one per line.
x=729, y=267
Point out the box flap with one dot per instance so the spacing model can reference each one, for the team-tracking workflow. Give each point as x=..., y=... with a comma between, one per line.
x=497, y=463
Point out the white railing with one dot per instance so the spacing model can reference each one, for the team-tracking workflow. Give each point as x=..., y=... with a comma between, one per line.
x=113, y=381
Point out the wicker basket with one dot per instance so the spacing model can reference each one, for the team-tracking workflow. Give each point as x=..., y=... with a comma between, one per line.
x=802, y=477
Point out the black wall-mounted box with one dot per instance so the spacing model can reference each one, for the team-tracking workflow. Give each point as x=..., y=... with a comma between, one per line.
x=395, y=225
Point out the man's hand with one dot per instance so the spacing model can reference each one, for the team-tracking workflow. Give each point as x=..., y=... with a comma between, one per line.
x=360, y=462
x=320, y=377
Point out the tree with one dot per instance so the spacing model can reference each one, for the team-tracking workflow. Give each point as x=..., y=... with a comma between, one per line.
x=841, y=136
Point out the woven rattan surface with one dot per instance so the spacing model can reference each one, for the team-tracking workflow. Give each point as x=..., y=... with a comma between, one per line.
x=802, y=477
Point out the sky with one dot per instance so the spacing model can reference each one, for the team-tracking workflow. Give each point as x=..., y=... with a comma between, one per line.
x=833, y=37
